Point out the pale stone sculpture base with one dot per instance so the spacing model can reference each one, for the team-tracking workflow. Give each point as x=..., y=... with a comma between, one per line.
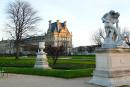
x=41, y=61
x=112, y=67
x=108, y=43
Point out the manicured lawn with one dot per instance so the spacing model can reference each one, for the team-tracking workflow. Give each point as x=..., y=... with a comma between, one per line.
x=61, y=63
x=72, y=67
x=75, y=61
x=11, y=62
x=83, y=56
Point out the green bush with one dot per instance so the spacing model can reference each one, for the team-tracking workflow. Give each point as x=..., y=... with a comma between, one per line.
x=72, y=66
x=51, y=72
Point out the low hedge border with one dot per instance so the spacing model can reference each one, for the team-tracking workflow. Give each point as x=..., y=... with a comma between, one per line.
x=51, y=72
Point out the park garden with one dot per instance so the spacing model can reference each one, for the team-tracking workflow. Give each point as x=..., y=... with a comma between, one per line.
x=65, y=67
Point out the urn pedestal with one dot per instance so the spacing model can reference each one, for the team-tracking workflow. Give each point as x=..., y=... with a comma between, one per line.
x=41, y=59
x=112, y=67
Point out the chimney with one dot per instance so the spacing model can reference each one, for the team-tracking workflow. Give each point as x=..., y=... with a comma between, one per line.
x=49, y=24
x=65, y=23
x=2, y=39
x=57, y=21
x=58, y=25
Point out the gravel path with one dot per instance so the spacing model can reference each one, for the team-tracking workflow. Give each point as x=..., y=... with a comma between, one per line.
x=16, y=80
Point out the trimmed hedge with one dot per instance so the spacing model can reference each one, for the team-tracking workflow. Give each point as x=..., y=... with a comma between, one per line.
x=51, y=72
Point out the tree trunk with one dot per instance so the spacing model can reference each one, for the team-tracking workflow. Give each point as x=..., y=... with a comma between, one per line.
x=17, y=51
x=55, y=60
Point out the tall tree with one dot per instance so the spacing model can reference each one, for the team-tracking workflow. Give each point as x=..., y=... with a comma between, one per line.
x=22, y=20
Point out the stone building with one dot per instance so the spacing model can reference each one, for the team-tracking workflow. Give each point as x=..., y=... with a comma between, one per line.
x=84, y=50
x=28, y=45
x=58, y=34
x=6, y=47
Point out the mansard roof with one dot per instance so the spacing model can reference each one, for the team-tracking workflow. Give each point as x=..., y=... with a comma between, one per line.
x=54, y=26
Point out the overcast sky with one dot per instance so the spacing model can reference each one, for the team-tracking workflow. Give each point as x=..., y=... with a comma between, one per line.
x=83, y=16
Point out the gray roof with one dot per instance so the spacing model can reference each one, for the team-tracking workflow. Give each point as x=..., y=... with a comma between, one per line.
x=54, y=26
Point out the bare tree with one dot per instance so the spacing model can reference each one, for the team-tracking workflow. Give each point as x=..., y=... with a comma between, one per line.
x=22, y=20
x=55, y=52
x=126, y=36
x=98, y=37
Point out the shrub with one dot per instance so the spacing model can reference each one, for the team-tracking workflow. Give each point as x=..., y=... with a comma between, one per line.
x=51, y=72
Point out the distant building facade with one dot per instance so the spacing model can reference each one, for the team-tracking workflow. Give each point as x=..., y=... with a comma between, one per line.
x=84, y=50
x=7, y=47
x=58, y=34
x=28, y=45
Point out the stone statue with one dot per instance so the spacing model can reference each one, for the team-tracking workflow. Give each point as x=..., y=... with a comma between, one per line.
x=113, y=37
x=112, y=60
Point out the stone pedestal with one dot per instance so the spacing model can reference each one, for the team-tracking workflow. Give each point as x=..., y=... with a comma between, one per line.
x=112, y=67
x=108, y=43
x=41, y=61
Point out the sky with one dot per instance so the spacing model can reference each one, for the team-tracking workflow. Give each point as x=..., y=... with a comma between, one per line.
x=83, y=16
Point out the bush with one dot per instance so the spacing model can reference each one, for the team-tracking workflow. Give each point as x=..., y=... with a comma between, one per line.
x=51, y=72
x=72, y=66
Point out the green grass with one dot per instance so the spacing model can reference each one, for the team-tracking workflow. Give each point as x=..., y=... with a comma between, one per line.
x=83, y=56
x=61, y=63
x=50, y=72
x=72, y=66
x=11, y=62
x=75, y=61
x=75, y=66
